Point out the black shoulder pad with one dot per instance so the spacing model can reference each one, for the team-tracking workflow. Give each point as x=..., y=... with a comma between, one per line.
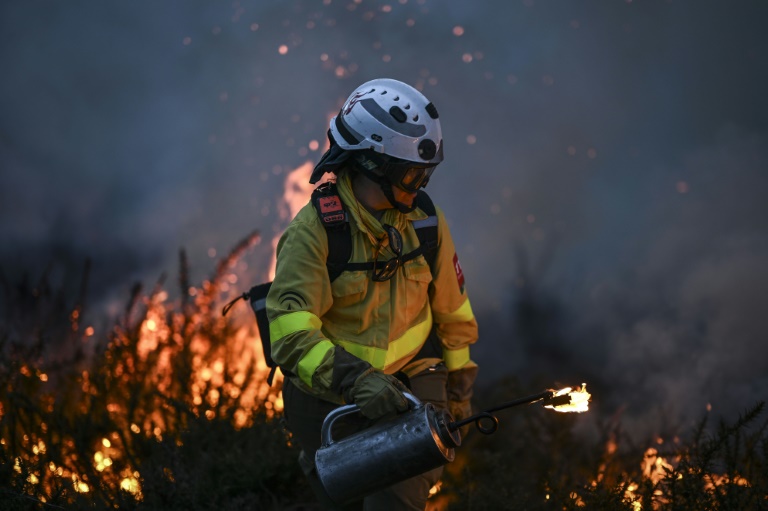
x=335, y=219
x=329, y=207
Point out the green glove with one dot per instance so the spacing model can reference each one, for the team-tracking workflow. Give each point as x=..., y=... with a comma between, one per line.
x=459, y=387
x=378, y=394
x=460, y=410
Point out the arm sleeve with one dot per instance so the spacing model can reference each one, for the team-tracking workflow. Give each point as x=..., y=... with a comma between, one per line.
x=454, y=319
x=300, y=295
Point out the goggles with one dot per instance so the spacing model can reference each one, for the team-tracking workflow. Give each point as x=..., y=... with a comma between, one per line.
x=409, y=177
x=385, y=270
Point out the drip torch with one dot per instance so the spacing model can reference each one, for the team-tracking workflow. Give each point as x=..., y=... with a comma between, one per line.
x=412, y=443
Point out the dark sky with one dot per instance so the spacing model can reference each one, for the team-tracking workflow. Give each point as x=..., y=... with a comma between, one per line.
x=606, y=163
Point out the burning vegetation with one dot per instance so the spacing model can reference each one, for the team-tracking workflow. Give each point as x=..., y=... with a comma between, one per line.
x=545, y=461
x=168, y=407
x=171, y=396
x=171, y=410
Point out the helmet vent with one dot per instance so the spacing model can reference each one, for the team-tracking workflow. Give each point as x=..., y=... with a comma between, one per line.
x=408, y=107
x=416, y=118
x=398, y=114
x=383, y=92
x=432, y=111
x=397, y=98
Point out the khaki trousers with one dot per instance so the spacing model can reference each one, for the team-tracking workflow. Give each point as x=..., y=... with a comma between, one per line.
x=305, y=414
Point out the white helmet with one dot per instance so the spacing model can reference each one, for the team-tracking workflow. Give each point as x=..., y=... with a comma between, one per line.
x=391, y=118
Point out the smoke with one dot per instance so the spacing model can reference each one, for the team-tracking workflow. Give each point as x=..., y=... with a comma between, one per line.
x=685, y=325
x=675, y=323
x=604, y=176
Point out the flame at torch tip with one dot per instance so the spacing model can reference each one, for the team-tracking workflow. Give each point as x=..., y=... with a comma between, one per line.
x=579, y=400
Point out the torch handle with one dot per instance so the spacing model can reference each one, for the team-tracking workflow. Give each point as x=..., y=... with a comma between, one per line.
x=488, y=415
x=325, y=433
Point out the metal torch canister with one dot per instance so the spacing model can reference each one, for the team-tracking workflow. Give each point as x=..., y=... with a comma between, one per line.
x=389, y=452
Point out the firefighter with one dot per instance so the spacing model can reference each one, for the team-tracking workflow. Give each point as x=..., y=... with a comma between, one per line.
x=390, y=320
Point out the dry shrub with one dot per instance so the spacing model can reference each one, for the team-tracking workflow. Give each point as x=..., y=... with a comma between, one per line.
x=169, y=409
x=174, y=396
x=536, y=461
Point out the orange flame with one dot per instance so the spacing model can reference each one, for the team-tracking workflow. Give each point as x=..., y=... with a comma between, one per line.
x=296, y=195
x=234, y=369
x=579, y=400
x=655, y=469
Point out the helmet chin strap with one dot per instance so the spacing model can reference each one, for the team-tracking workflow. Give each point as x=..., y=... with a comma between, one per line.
x=386, y=188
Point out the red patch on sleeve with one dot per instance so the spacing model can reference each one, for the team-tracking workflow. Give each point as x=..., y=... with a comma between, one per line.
x=459, y=271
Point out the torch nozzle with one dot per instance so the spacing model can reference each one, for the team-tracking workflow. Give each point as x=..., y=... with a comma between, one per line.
x=575, y=400
x=556, y=400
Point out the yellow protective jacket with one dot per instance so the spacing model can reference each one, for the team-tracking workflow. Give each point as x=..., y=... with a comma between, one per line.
x=383, y=323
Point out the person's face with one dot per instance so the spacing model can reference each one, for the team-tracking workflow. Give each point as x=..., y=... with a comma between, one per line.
x=403, y=196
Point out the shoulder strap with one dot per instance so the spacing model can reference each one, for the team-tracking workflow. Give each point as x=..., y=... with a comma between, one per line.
x=426, y=229
x=335, y=219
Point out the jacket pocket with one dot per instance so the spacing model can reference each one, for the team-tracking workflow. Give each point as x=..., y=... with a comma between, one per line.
x=417, y=270
x=350, y=285
x=417, y=279
x=348, y=291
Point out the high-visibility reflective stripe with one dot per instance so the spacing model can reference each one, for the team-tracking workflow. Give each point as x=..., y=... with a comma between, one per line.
x=291, y=323
x=455, y=359
x=314, y=357
x=430, y=221
x=409, y=342
x=463, y=313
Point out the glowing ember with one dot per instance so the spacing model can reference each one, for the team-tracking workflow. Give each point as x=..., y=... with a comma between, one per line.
x=131, y=484
x=579, y=400
x=656, y=470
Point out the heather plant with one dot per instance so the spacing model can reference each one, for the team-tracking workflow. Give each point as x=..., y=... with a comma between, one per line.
x=166, y=407
x=536, y=461
x=169, y=408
